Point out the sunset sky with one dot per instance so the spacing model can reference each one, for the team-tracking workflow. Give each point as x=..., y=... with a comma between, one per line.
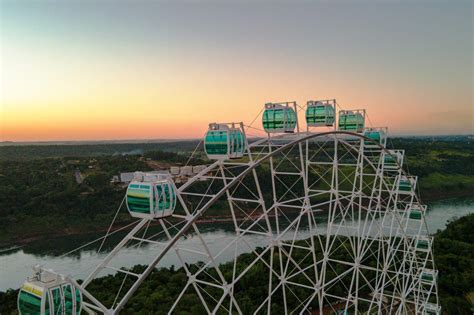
x=94, y=70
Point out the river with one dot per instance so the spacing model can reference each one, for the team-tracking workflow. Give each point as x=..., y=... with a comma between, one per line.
x=15, y=264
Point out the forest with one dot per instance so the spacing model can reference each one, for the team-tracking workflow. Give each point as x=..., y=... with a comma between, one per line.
x=454, y=254
x=445, y=168
x=38, y=188
x=31, y=152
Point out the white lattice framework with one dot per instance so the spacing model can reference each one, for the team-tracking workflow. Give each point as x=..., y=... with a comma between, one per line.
x=322, y=220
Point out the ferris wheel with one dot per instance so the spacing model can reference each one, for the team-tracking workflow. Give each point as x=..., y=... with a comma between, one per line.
x=323, y=217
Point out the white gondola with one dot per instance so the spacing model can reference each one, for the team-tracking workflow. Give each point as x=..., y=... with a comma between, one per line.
x=423, y=244
x=151, y=195
x=352, y=120
x=431, y=309
x=279, y=117
x=48, y=293
x=224, y=141
x=393, y=159
x=417, y=212
x=405, y=185
x=319, y=114
x=428, y=276
x=377, y=136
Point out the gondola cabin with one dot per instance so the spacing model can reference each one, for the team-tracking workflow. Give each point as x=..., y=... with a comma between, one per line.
x=416, y=212
x=431, y=309
x=406, y=184
x=428, y=276
x=352, y=120
x=278, y=118
x=423, y=244
x=319, y=114
x=376, y=137
x=393, y=159
x=223, y=142
x=151, y=195
x=48, y=293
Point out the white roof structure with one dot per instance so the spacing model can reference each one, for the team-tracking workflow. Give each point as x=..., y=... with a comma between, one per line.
x=127, y=177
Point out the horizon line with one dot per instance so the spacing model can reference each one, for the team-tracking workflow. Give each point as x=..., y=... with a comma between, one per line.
x=144, y=140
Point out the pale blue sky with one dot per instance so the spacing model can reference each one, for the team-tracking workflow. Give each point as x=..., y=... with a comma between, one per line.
x=410, y=63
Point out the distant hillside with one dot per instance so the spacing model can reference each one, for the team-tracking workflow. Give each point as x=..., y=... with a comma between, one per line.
x=16, y=151
x=27, y=152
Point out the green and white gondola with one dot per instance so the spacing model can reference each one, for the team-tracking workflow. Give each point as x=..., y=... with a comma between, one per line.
x=223, y=142
x=423, y=244
x=319, y=114
x=279, y=118
x=393, y=159
x=416, y=212
x=428, y=276
x=406, y=184
x=151, y=195
x=48, y=293
x=432, y=309
x=351, y=120
x=377, y=136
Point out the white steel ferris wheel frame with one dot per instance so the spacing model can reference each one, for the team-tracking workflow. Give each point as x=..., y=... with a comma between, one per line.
x=396, y=287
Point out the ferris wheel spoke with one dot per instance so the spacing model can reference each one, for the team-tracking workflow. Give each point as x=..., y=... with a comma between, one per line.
x=297, y=267
x=288, y=188
x=300, y=286
x=321, y=148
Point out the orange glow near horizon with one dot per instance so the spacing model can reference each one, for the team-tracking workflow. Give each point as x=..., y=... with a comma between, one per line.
x=126, y=76
x=187, y=115
x=134, y=104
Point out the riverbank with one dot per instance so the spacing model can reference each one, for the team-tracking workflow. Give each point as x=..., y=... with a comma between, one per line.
x=19, y=241
x=440, y=195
